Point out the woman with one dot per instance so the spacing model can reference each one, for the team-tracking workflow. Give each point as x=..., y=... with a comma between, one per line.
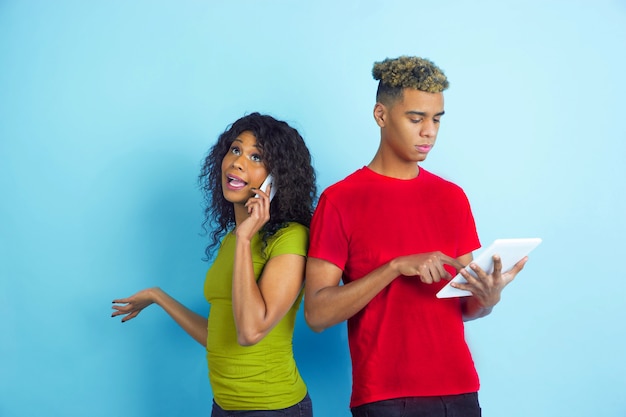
x=255, y=283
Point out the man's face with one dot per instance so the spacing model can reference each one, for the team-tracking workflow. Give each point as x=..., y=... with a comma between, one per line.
x=409, y=126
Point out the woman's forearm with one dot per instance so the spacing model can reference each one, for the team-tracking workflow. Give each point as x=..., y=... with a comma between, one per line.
x=193, y=323
x=249, y=308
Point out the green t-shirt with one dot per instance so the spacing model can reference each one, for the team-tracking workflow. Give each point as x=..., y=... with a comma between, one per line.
x=263, y=376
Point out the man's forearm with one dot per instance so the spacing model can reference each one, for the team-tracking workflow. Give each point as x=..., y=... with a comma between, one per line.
x=333, y=304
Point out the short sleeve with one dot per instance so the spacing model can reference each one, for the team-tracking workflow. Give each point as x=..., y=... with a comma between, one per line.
x=469, y=240
x=328, y=238
x=292, y=239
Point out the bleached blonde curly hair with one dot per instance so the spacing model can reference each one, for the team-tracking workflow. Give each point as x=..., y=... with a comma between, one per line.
x=396, y=74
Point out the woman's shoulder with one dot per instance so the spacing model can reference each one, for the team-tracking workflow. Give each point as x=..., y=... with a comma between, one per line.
x=292, y=238
x=292, y=229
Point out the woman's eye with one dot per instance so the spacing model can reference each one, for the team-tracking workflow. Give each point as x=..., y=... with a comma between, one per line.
x=256, y=157
x=234, y=150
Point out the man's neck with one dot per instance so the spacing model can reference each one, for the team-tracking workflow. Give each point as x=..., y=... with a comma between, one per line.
x=402, y=170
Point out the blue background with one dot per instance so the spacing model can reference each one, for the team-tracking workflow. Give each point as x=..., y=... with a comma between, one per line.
x=107, y=108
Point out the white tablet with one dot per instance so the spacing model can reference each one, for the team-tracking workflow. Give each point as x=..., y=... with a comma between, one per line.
x=511, y=251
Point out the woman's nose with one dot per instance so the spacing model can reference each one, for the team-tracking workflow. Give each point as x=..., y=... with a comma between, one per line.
x=239, y=162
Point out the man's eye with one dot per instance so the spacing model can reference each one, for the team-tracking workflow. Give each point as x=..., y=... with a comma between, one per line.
x=416, y=120
x=437, y=120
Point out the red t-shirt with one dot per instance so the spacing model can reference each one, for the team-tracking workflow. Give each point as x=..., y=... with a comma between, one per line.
x=406, y=342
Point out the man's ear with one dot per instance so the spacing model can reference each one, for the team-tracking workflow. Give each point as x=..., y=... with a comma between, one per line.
x=380, y=114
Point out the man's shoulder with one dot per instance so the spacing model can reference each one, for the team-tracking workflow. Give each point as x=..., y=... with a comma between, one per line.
x=435, y=180
x=346, y=184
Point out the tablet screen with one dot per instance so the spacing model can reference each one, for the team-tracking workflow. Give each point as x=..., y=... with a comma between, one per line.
x=511, y=251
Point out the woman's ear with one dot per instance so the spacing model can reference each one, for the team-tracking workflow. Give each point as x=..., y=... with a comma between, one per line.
x=380, y=114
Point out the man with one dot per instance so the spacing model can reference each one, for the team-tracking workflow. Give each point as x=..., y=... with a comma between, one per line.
x=395, y=233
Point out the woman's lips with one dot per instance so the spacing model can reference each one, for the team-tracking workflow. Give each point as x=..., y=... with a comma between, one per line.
x=235, y=183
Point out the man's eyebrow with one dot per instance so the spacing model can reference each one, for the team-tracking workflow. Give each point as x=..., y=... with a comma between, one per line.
x=421, y=113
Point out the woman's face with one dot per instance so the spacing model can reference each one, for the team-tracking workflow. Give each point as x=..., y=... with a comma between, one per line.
x=243, y=168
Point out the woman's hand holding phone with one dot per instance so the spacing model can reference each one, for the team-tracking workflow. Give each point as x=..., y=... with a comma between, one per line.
x=258, y=210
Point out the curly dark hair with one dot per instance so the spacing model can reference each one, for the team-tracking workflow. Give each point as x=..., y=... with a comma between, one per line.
x=285, y=155
x=396, y=74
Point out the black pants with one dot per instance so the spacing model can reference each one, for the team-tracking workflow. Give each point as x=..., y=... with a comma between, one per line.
x=302, y=409
x=464, y=405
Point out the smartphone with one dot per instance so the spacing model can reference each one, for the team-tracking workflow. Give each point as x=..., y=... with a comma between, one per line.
x=269, y=180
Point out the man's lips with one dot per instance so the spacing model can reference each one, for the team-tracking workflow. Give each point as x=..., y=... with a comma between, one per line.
x=423, y=148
